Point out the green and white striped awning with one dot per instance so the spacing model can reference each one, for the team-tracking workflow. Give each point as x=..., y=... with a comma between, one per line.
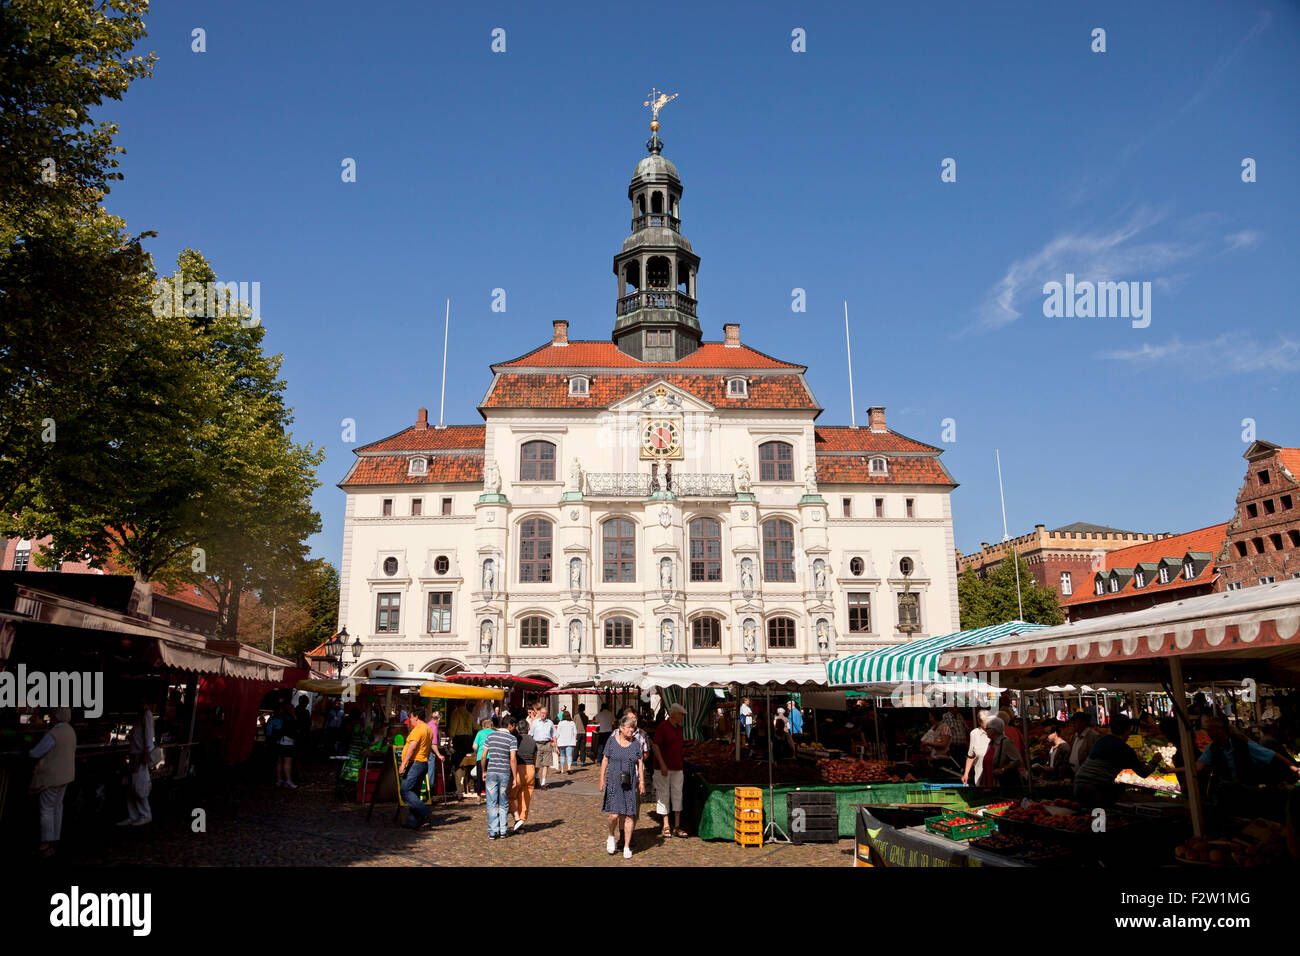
x=916, y=661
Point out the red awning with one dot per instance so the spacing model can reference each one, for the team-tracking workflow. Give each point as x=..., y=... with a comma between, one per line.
x=499, y=680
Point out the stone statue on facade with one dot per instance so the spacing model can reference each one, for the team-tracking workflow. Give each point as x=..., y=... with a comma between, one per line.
x=819, y=575
x=666, y=636
x=810, y=479
x=823, y=634
x=744, y=484
x=750, y=640
x=575, y=636
x=489, y=575
x=575, y=476
x=666, y=573
x=485, y=638
x=747, y=575
x=575, y=573
x=491, y=477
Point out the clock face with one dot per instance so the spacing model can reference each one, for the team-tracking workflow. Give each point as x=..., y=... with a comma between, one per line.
x=661, y=438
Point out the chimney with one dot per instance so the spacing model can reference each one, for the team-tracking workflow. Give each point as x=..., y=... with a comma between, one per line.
x=422, y=420
x=731, y=335
x=561, y=336
x=876, y=416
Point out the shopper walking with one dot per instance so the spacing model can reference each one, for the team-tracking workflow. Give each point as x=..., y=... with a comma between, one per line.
x=566, y=739
x=280, y=733
x=521, y=788
x=668, y=742
x=414, y=767
x=543, y=731
x=976, y=749
x=480, y=756
x=56, y=767
x=621, y=779
x=500, y=764
x=140, y=744
x=582, y=720
x=604, y=728
x=746, y=718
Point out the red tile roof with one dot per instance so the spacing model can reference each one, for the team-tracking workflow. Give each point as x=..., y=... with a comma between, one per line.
x=831, y=438
x=603, y=354
x=1290, y=457
x=1204, y=540
x=394, y=470
x=184, y=594
x=540, y=390
x=909, y=470
x=416, y=438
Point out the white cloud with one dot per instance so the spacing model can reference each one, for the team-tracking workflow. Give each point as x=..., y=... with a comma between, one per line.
x=1225, y=355
x=1243, y=240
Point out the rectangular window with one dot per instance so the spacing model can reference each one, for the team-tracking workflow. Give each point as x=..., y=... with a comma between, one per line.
x=389, y=612
x=1114, y=585
x=439, y=612
x=880, y=507
x=848, y=507
x=1241, y=548
x=388, y=508
x=1264, y=478
x=534, y=632
x=1067, y=586
x=417, y=506
x=706, y=549
x=780, y=632
x=22, y=558
x=1267, y=579
x=1252, y=510
x=1234, y=585
x=1276, y=541
x=1269, y=506
x=706, y=633
x=535, y=541
x=618, y=632
x=859, y=612
x=658, y=338
x=446, y=506
x=1286, y=503
x=911, y=507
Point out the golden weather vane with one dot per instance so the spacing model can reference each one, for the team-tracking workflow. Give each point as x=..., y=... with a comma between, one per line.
x=656, y=102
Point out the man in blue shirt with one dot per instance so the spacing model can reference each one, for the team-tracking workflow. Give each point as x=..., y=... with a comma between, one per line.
x=500, y=766
x=1232, y=756
x=796, y=718
x=543, y=731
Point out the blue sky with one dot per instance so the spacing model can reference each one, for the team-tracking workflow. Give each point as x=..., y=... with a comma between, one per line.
x=817, y=170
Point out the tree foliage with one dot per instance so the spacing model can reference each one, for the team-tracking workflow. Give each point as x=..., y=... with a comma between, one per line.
x=989, y=600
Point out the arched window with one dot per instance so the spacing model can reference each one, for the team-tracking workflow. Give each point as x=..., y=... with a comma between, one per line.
x=780, y=632
x=706, y=549
x=706, y=633
x=535, y=537
x=534, y=632
x=879, y=466
x=618, y=541
x=656, y=202
x=775, y=461
x=778, y=550
x=537, y=461
x=618, y=632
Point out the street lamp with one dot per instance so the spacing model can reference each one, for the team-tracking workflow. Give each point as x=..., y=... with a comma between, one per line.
x=334, y=653
x=356, y=645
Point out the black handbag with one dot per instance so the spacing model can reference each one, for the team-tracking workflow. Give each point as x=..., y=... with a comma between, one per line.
x=625, y=779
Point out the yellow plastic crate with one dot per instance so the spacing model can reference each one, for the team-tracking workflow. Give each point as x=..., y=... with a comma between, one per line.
x=748, y=793
x=755, y=827
x=749, y=813
x=749, y=839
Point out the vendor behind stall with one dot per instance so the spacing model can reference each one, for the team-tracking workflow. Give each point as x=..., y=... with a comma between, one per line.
x=1094, y=781
x=56, y=755
x=1233, y=757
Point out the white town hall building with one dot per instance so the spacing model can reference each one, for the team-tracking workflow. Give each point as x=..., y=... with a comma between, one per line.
x=645, y=498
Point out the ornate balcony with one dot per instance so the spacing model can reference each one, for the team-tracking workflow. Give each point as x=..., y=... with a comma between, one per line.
x=657, y=299
x=656, y=221
x=634, y=485
x=703, y=486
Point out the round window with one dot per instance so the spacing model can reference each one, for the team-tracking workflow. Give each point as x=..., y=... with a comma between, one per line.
x=441, y=564
x=390, y=566
x=856, y=566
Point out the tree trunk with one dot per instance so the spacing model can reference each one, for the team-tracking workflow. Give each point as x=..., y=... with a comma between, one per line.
x=230, y=612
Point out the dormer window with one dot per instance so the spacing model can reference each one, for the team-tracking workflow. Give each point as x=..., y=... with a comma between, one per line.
x=1140, y=579
x=1114, y=585
x=579, y=385
x=1164, y=575
x=879, y=466
x=418, y=466
x=737, y=388
x=1189, y=570
x=1099, y=588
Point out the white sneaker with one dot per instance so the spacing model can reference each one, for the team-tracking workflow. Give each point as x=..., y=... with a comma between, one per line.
x=518, y=824
x=627, y=853
x=611, y=846
x=290, y=785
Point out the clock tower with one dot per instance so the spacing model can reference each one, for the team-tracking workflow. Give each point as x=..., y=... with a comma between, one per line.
x=656, y=316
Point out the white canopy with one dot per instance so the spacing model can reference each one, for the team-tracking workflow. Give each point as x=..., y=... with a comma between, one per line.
x=773, y=674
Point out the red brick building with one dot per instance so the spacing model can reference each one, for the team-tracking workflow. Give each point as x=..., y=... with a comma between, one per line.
x=184, y=606
x=1155, y=572
x=1263, y=538
x=1063, y=559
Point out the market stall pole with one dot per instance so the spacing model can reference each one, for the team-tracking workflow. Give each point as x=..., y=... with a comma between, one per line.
x=1187, y=746
x=772, y=833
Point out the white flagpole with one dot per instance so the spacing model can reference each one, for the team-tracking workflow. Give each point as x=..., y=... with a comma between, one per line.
x=853, y=414
x=442, y=399
x=1006, y=537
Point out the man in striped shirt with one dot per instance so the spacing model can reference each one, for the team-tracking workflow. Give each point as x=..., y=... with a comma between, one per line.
x=500, y=767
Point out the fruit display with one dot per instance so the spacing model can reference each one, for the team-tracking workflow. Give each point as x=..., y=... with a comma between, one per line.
x=1027, y=850
x=1068, y=815
x=1163, y=782
x=858, y=771
x=996, y=809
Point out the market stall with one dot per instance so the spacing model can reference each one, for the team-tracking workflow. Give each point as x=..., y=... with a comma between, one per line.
x=1250, y=636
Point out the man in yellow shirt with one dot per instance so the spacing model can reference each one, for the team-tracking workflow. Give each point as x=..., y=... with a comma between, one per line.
x=414, y=767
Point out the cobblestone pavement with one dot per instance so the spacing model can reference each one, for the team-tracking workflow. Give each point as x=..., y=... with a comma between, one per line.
x=266, y=826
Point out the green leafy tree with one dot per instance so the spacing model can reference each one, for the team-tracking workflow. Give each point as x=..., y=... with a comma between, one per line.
x=307, y=617
x=989, y=600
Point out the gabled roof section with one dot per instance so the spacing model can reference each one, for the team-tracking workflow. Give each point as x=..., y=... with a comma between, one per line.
x=1168, y=552
x=416, y=438
x=542, y=390
x=395, y=470
x=586, y=354
x=843, y=438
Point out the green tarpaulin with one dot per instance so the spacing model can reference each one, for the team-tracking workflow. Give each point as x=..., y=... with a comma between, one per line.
x=916, y=661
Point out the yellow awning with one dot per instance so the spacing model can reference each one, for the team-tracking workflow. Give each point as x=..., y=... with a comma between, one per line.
x=461, y=692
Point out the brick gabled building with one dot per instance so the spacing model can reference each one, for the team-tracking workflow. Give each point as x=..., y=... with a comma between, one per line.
x=1263, y=537
x=1130, y=579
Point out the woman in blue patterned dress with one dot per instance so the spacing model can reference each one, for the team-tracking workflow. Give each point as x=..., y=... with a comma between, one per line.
x=621, y=779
